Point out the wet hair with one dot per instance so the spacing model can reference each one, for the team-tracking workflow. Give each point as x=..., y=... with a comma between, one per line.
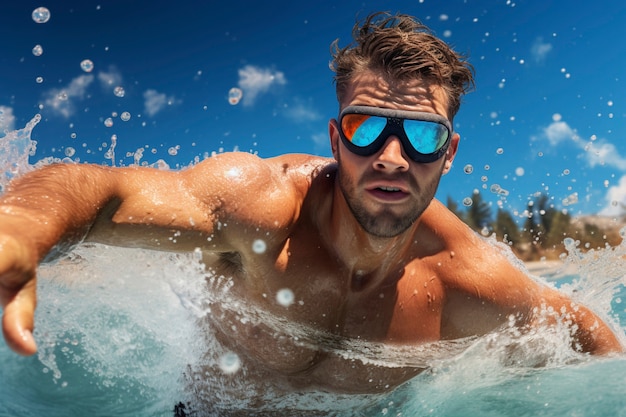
x=401, y=47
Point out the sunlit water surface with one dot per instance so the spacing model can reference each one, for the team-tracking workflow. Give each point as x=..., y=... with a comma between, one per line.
x=118, y=334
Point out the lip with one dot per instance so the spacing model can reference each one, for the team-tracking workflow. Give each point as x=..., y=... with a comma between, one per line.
x=388, y=191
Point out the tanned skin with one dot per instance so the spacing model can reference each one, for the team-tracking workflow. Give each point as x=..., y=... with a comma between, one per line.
x=360, y=241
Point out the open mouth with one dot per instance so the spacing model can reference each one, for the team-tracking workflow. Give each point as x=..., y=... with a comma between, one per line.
x=388, y=193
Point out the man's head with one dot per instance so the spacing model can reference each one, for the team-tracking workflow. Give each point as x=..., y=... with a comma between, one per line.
x=398, y=88
x=403, y=49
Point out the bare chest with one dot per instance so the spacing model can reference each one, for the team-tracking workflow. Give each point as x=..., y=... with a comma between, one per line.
x=310, y=324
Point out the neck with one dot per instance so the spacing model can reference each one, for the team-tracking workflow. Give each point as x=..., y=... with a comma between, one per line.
x=362, y=253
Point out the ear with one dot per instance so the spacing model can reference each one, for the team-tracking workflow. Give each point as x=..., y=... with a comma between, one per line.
x=333, y=134
x=451, y=152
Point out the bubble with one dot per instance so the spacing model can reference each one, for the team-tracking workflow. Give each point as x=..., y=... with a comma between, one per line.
x=73, y=136
x=499, y=151
x=125, y=116
x=39, y=80
x=468, y=169
x=37, y=50
x=229, y=363
x=259, y=246
x=119, y=91
x=62, y=96
x=234, y=95
x=41, y=15
x=69, y=151
x=467, y=201
x=285, y=297
x=108, y=122
x=173, y=150
x=519, y=171
x=86, y=65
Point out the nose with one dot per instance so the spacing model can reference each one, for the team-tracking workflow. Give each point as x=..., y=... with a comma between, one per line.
x=390, y=158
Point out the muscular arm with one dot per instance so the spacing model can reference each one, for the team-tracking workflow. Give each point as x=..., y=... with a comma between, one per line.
x=209, y=206
x=483, y=272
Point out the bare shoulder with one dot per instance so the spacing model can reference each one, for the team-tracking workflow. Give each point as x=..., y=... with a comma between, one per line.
x=470, y=263
x=247, y=190
x=241, y=168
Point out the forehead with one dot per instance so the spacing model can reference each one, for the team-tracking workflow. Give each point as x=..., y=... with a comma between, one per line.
x=376, y=90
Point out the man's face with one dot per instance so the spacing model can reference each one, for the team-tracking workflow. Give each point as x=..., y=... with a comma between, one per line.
x=387, y=191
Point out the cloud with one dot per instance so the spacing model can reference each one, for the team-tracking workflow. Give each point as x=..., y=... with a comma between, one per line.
x=558, y=132
x=300, y=113
x=111, y=79
x=154, y=101
x=616, y=199
x=7, y=120
x=255, y=81
x=605, y=154
x=540, y=50
x=598, y=152
x=320, y=139
x=61, y=100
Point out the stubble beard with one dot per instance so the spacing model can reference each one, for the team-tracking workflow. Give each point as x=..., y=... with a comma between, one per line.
x=385, y=223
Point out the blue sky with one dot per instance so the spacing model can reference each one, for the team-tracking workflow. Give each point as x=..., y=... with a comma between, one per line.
x=547, y=115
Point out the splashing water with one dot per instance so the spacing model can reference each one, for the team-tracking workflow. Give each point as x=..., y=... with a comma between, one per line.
x=123, y=332
x=15, y=148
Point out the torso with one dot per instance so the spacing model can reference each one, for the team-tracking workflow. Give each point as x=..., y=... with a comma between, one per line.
x=320, y=341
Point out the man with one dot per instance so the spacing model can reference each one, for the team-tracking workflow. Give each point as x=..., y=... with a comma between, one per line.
x=359, y=241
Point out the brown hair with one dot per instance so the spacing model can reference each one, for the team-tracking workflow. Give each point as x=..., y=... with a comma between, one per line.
x=403, y=48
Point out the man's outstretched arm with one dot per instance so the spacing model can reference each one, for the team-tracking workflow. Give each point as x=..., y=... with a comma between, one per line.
x=58, y=205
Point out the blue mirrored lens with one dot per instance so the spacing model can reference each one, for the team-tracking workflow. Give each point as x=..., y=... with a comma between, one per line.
x=368, y=131
x=426, y=137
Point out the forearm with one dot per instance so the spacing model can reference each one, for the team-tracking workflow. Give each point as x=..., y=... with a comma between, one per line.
x=589, y=332
x=55, y=206
x=593, y=335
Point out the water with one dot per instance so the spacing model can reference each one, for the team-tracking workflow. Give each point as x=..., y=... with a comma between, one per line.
x=119, y=335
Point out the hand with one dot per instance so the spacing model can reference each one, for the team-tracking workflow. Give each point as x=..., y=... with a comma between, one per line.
x=18, y=285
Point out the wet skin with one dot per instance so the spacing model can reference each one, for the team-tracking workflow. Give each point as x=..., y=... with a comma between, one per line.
x=366, y=250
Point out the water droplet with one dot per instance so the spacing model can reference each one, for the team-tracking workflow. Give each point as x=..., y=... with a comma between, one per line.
x=125, y=116
x=108, y=122
x=229, y=363
x=62, y=96
x=234, y=95
x=37, y=50
x=519, y=171
x=41, y=15
x=285, y=297
x=173, y=150
x=69, y=151
x=39, y=80
x=259, y=246
x=73, y=136
x=467, y=201
x=86, y=65
x=468, y=169
x=119, y=91
x=499, y=151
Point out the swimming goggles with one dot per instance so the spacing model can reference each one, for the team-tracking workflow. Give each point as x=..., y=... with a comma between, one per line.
x=425, y=137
